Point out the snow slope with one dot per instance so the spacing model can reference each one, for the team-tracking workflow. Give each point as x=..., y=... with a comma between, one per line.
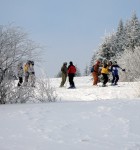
x=86, y=118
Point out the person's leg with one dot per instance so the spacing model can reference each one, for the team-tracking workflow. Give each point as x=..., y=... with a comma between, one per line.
x=26, y=79
x=32, y=78
x=103, y=75
x=70, y=80
x=20, y=81
x=95, y=78
x=117, y=78
x=63, y=80
x=106, y=79
x=113, y=80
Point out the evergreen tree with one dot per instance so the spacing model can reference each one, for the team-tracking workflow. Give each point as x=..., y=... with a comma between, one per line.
x=132, y=31
x=120, y=38
x=107, y=49
x=93, y=59
x=126, y=37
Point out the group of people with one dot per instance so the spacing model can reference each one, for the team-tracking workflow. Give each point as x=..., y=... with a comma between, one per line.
x=100, y=68
x=69, y=71
x=104, y=68
x=26, y=74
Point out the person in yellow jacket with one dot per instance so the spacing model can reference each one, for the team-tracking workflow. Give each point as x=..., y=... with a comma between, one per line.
x=26, y=73
x=105, y=72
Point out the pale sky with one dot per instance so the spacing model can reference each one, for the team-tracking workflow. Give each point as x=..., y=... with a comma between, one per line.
x=70, y=30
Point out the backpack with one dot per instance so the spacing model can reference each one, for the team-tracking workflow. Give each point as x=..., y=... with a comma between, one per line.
x=92, y=69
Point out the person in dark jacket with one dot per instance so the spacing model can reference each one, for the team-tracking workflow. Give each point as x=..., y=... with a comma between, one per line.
x=64, y=73
x=114, y=70
x=71, y=74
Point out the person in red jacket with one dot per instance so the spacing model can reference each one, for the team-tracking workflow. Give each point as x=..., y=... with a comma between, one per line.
x=71, y=74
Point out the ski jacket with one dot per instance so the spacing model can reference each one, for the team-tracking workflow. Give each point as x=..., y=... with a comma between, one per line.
x=26, y=67
x=96, y=68
x=105, y=69
x=114, y=69
x=71, y=69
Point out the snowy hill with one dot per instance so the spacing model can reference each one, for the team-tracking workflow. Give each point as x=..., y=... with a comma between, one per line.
x=86, y=118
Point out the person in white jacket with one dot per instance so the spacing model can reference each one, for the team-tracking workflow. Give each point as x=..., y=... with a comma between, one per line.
x=31, y=73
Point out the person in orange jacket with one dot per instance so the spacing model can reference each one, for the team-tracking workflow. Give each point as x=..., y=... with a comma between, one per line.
x=96, y=72
x=71, y=74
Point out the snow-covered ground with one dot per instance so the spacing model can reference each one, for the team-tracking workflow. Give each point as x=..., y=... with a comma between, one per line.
x=86, y=92
x=85, y=118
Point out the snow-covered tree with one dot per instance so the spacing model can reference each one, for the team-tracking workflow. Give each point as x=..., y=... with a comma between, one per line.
x=120, y=38
x=94, y=58
x=14, y=47
x=132, y=32
x=107, y=50
x=127, y=37
x=130, y=60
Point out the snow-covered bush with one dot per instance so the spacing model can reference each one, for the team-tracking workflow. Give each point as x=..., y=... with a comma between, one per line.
x=22, y=94
x=130, y=60
x=44, y=92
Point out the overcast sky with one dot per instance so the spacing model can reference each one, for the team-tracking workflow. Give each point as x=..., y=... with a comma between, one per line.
x=70, y=30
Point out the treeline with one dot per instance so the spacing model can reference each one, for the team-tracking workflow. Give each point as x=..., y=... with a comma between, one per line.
x=123, y=46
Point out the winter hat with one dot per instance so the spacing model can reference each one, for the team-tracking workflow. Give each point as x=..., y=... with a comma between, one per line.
x=98, y=62
x=71, y=63
x=65, y=63
x=110, y=62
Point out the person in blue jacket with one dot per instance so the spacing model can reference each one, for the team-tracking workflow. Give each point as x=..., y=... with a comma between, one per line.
x=114, y=70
